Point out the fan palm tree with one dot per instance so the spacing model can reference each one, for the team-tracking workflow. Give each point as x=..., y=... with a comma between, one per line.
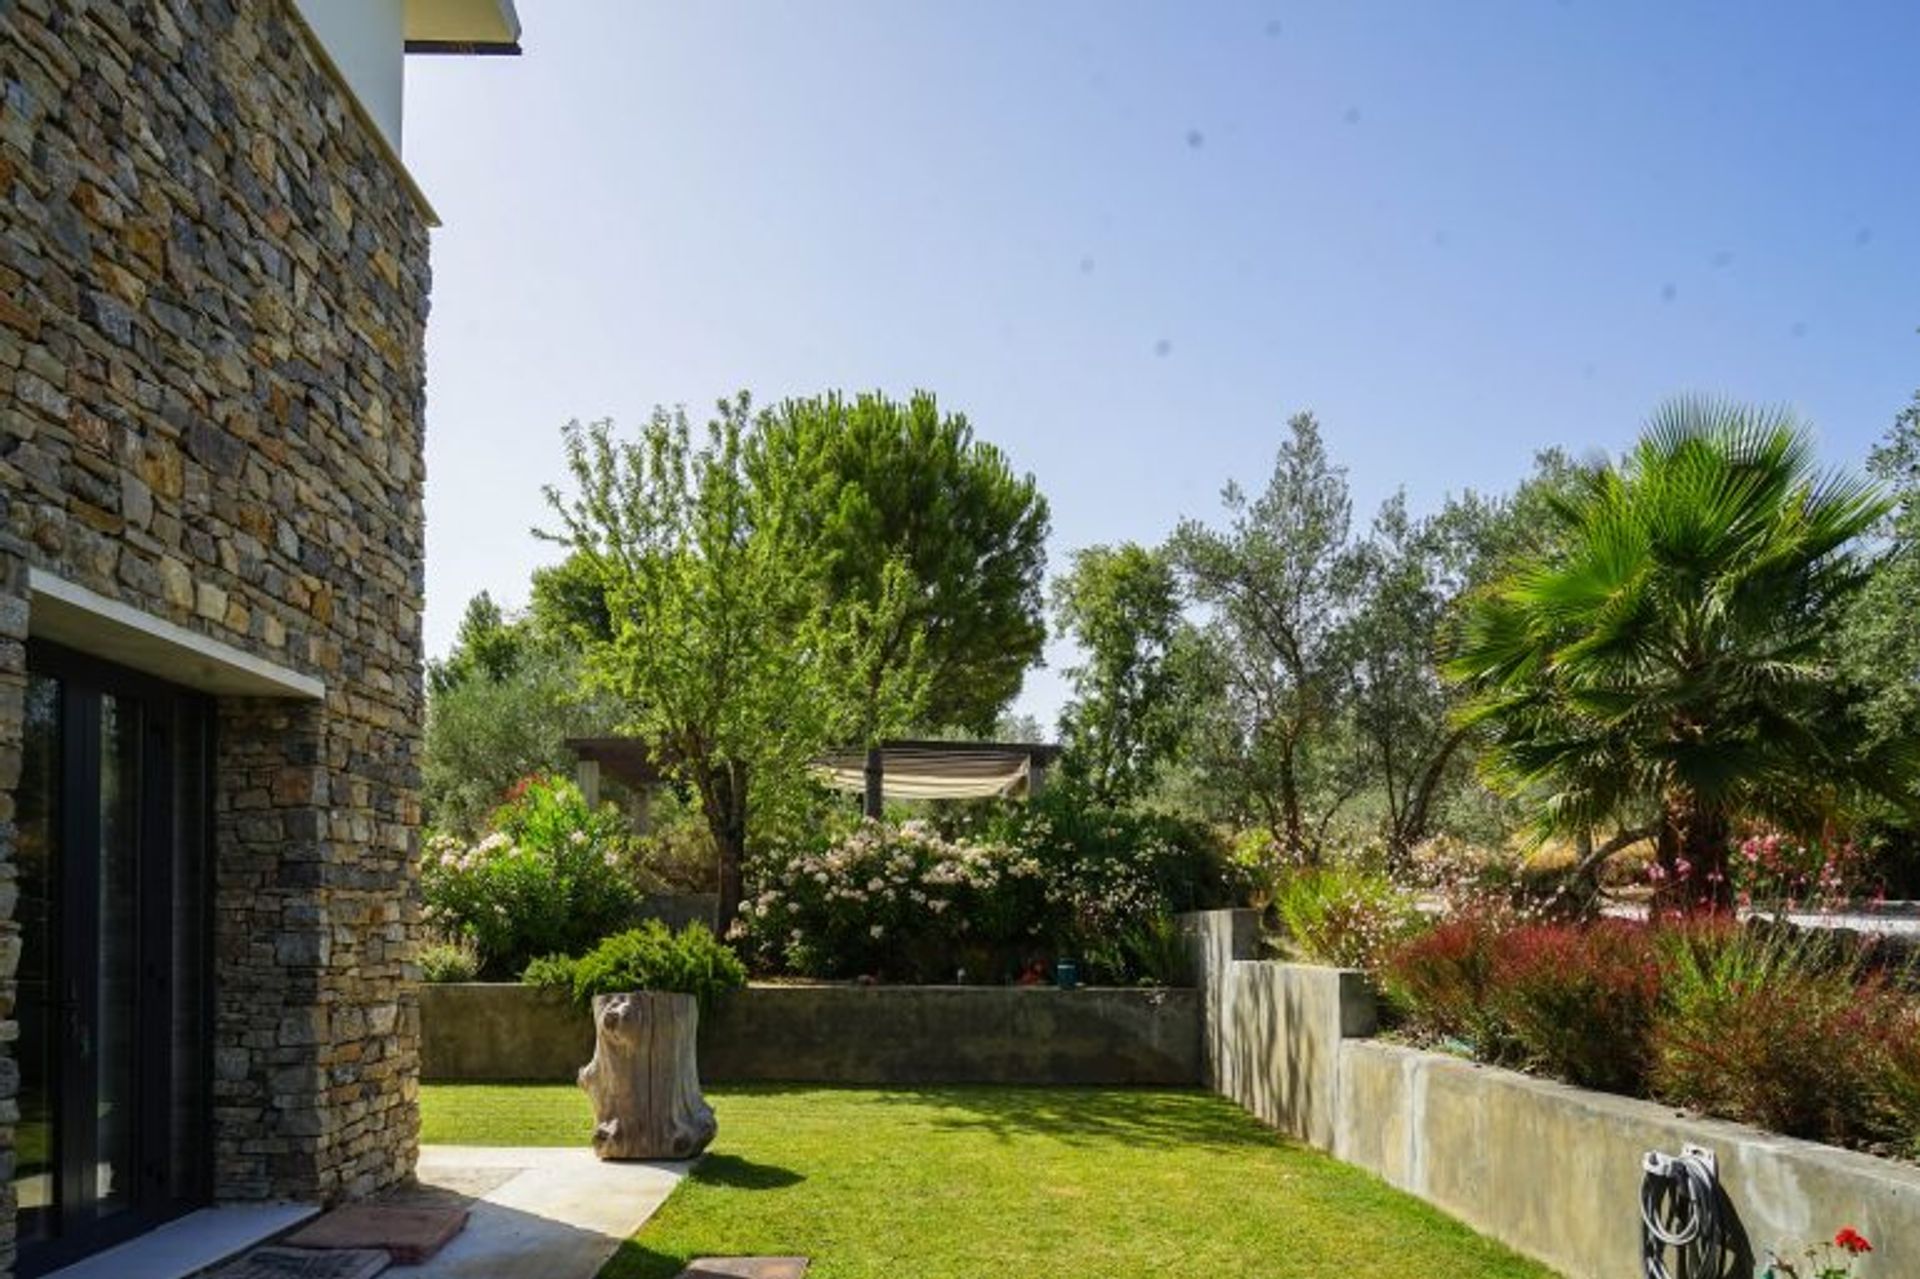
x=1665, y=664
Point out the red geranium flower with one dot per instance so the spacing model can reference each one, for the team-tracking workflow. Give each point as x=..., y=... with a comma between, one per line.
x=1852, y=1240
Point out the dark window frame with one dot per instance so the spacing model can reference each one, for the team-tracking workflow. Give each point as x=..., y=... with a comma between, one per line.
x=176, y=753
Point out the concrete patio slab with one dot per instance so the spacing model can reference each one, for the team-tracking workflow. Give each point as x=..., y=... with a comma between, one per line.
x=556, y=1213
x=192, y=1244
x=746, y=1268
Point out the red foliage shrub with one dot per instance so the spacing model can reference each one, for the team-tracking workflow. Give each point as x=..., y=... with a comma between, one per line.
x=1770, y=1025
x=1577, y=1000
x=1897, y=1079
x=1772, y=1029
x=1440, y=980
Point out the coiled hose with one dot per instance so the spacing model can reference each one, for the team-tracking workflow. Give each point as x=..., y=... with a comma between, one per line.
x=1680, y=1210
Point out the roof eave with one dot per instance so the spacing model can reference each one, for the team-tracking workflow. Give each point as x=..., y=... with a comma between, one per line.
x=465, y=48
x=462, y=27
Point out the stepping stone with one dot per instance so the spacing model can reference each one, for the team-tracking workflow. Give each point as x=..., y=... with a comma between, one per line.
x=746, y=1268
x=409, y=1233
x=305, y=1263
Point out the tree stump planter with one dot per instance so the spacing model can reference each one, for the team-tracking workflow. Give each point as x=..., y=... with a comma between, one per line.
x=643, y=1078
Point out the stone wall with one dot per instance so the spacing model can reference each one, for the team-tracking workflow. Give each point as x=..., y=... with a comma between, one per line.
x=844, y=1035
x=1551, y=1170
x=213, y=292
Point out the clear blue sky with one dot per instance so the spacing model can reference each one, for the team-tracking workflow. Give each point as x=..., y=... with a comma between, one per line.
x=1128, y=239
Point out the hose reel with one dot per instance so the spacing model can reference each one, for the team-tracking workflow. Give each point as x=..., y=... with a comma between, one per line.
x=1680, y=1213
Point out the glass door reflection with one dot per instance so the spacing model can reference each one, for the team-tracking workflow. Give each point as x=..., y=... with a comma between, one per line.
x=113, y=1000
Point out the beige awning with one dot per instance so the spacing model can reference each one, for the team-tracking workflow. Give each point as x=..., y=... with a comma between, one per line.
x=941, y=770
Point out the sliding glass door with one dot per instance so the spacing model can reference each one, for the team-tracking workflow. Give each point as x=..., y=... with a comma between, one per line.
x=114, y=923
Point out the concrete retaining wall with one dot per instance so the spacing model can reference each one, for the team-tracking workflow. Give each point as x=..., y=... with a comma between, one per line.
x=1552, y=1171
x=1282, y=1027
x=844, y=1035
x=485, y=1032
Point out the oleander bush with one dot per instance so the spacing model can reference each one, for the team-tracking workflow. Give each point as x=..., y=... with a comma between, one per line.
x=1781, y=872
x=982, y=898
x=551, y=877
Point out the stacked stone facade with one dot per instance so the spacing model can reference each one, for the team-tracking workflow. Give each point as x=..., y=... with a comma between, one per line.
x=213, y=293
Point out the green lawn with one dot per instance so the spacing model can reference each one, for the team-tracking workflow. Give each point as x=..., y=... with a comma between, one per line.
x=1002, y=1183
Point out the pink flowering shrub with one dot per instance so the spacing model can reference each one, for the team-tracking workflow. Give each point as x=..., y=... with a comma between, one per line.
x=1772, y=870
x=551, y=877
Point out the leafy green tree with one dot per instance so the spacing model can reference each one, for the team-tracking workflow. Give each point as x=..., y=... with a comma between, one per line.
x=483, y=735
x=929, y=534
x=500, y=707
x=1406, y=587
x=1121, y=604
x=1668, y=658
x=1882, y=650
x=1017, y=726
x=1412, y=574
x=724, y=642
x=711, y=612
x=486, y=646
x=1276, y=582
x=570, y=602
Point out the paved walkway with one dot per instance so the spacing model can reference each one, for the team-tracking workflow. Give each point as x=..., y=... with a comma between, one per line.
x=537, y=1212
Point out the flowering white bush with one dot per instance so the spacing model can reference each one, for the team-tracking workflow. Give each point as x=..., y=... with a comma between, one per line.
x=855, y=904
x=551, y=878
x=913, y=902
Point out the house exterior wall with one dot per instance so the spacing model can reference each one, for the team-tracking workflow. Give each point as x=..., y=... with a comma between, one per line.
x=366, y=40
x=213, y=293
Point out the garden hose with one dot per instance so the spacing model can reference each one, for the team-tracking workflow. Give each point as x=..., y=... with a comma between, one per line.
x=1680, y=1210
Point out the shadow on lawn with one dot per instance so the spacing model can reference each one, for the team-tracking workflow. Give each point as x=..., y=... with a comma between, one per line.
x=743, y=1174
x=1086, y=1116
x=634, y=1260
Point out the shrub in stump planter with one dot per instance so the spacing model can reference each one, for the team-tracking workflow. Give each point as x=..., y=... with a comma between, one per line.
x=643, y=1079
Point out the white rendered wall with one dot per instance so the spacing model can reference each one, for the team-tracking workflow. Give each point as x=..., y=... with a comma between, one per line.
x=367, y=41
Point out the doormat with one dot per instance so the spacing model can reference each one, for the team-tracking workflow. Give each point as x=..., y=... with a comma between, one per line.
x=746, y=1268
x=411, y=1234
x=302, y=1263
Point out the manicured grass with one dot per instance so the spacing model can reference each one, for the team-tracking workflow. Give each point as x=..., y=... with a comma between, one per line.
x=504, y=1115
x=1003, y=1183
